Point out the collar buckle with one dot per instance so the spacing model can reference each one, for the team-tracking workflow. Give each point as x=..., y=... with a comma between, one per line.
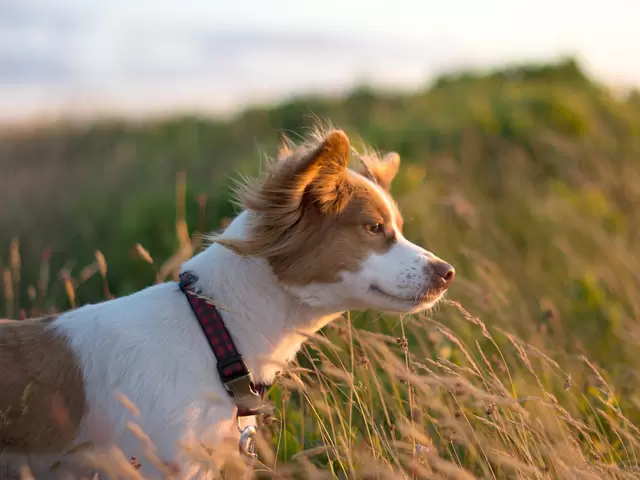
x=247, y=441
x=244, y=396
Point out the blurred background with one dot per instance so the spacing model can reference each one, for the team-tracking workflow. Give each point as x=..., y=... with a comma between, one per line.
x=123, y=125
x=155, y=57
x=119, y=117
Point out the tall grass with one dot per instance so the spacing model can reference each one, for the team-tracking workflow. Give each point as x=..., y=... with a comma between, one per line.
x=500, y=381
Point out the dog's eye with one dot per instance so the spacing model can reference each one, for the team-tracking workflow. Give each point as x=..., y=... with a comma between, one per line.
x=374, y=228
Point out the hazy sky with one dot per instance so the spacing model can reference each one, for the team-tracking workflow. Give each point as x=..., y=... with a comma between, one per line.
x=155, y=55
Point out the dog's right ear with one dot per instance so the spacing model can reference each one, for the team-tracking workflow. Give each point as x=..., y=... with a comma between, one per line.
x=381, y=171
x=317, y=174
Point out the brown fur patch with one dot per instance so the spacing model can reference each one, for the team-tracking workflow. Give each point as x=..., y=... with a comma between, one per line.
x=42, y=397
x=310, y=215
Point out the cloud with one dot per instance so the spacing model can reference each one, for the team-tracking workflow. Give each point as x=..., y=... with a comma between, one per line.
x=236, y=55
x=16, y=68
x=29, y=14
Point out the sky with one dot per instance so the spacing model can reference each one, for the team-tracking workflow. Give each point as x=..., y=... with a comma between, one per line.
x=141, y=57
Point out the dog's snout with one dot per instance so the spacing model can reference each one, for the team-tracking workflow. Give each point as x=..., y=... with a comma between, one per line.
x=441, y=274
x=445, y=271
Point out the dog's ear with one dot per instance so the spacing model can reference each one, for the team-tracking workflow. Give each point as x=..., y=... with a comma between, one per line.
x=313, y=177
x=318, y=174
x=381, y=171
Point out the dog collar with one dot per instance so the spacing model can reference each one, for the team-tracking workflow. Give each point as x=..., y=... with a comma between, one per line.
x=233, y=371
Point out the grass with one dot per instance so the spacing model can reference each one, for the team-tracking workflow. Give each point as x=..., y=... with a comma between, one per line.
x=440, y=395
x=526, y=182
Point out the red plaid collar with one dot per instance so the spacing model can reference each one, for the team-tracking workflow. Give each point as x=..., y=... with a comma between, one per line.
x=233, y=371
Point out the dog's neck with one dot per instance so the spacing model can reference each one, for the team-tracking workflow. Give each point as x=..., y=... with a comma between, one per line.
x=267, y=323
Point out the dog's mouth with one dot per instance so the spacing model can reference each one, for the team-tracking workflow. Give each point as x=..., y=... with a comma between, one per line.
x=426, y=296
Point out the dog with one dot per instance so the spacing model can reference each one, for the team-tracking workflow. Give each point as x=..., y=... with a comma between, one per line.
x=138, y=375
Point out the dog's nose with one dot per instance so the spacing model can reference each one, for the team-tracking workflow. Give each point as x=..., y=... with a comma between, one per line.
x=445, y=274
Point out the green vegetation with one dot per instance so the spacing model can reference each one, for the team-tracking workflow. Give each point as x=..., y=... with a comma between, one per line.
x=527, y=180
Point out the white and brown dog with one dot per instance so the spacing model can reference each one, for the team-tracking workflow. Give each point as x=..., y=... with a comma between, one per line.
x=314, y=239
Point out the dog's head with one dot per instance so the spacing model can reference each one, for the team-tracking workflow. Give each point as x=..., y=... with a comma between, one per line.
x=333, y=236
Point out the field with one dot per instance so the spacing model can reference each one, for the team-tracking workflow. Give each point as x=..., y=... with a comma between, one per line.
x=526, y=179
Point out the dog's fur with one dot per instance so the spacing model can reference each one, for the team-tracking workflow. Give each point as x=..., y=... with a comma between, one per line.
x=314, y=239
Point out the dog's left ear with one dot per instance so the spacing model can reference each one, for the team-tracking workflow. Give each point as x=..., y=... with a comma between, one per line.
x=382, y=171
